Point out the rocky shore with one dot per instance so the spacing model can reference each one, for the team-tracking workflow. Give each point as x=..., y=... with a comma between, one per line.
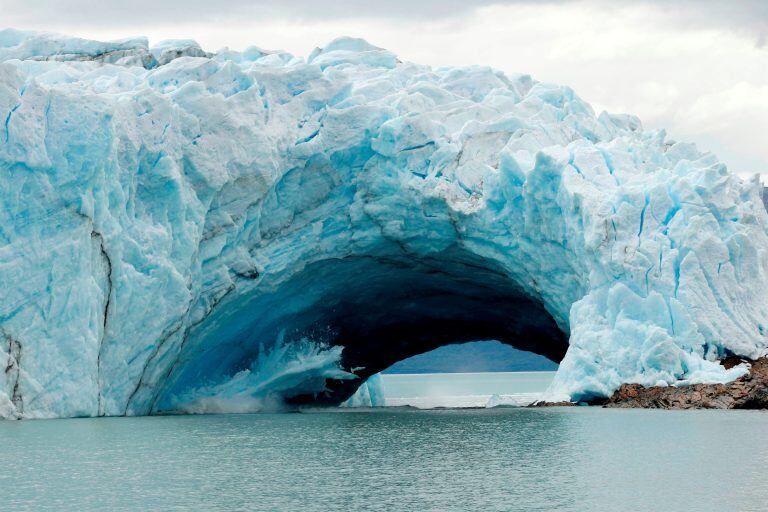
x=747, y=392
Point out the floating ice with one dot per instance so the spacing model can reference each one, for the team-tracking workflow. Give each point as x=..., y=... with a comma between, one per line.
x=165, y=214
x=369, y=394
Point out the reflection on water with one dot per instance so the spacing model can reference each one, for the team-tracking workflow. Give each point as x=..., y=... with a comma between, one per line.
x=431, y=390
x=575, y=459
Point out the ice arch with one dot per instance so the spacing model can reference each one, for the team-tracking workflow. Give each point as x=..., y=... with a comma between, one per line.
x=178, y=227
x=380, y=309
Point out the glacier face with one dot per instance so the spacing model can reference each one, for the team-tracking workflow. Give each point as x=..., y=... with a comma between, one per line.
x=183, y=231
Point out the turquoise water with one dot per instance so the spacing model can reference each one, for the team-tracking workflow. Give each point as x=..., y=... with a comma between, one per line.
x=500, y=459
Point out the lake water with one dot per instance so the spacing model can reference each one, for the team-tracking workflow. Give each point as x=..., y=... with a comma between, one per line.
x=395, y=458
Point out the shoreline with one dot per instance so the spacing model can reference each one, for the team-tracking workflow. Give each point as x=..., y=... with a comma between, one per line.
x=749, y=391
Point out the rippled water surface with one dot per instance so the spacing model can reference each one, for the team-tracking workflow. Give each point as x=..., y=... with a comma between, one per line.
x=576, y=459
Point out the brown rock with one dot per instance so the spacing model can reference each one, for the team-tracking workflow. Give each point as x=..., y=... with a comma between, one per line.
x=551, y=404
x=747, y=392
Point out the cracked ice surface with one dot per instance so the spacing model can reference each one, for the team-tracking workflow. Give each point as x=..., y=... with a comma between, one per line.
x=151, y=200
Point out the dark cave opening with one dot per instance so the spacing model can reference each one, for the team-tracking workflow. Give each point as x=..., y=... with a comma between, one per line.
x=381, y=309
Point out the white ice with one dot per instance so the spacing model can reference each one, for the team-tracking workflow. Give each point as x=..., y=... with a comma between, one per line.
x=152, y=198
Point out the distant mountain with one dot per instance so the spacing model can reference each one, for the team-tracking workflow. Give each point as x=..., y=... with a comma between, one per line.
x=477, y=356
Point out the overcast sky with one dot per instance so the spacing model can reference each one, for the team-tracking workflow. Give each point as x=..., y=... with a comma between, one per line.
x=698, y=68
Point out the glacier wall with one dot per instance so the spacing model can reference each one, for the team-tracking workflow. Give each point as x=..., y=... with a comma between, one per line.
x=184, y=231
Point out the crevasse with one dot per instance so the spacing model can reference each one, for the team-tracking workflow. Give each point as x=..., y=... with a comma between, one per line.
x=183, y=231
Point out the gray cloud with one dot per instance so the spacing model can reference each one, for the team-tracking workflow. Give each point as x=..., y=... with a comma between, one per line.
x=88, y=12
x=750, y=16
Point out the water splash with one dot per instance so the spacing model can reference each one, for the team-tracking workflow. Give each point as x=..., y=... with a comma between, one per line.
x=283, y=370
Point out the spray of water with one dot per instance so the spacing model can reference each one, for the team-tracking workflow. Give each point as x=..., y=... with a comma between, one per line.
x=285, y=369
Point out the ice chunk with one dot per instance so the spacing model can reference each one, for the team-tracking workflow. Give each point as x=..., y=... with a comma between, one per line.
x=17, y=44
x=349, y=50
x=370, y=394
x=170, y=49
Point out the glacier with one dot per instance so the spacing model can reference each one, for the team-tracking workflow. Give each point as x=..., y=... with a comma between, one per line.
x=184, y=231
